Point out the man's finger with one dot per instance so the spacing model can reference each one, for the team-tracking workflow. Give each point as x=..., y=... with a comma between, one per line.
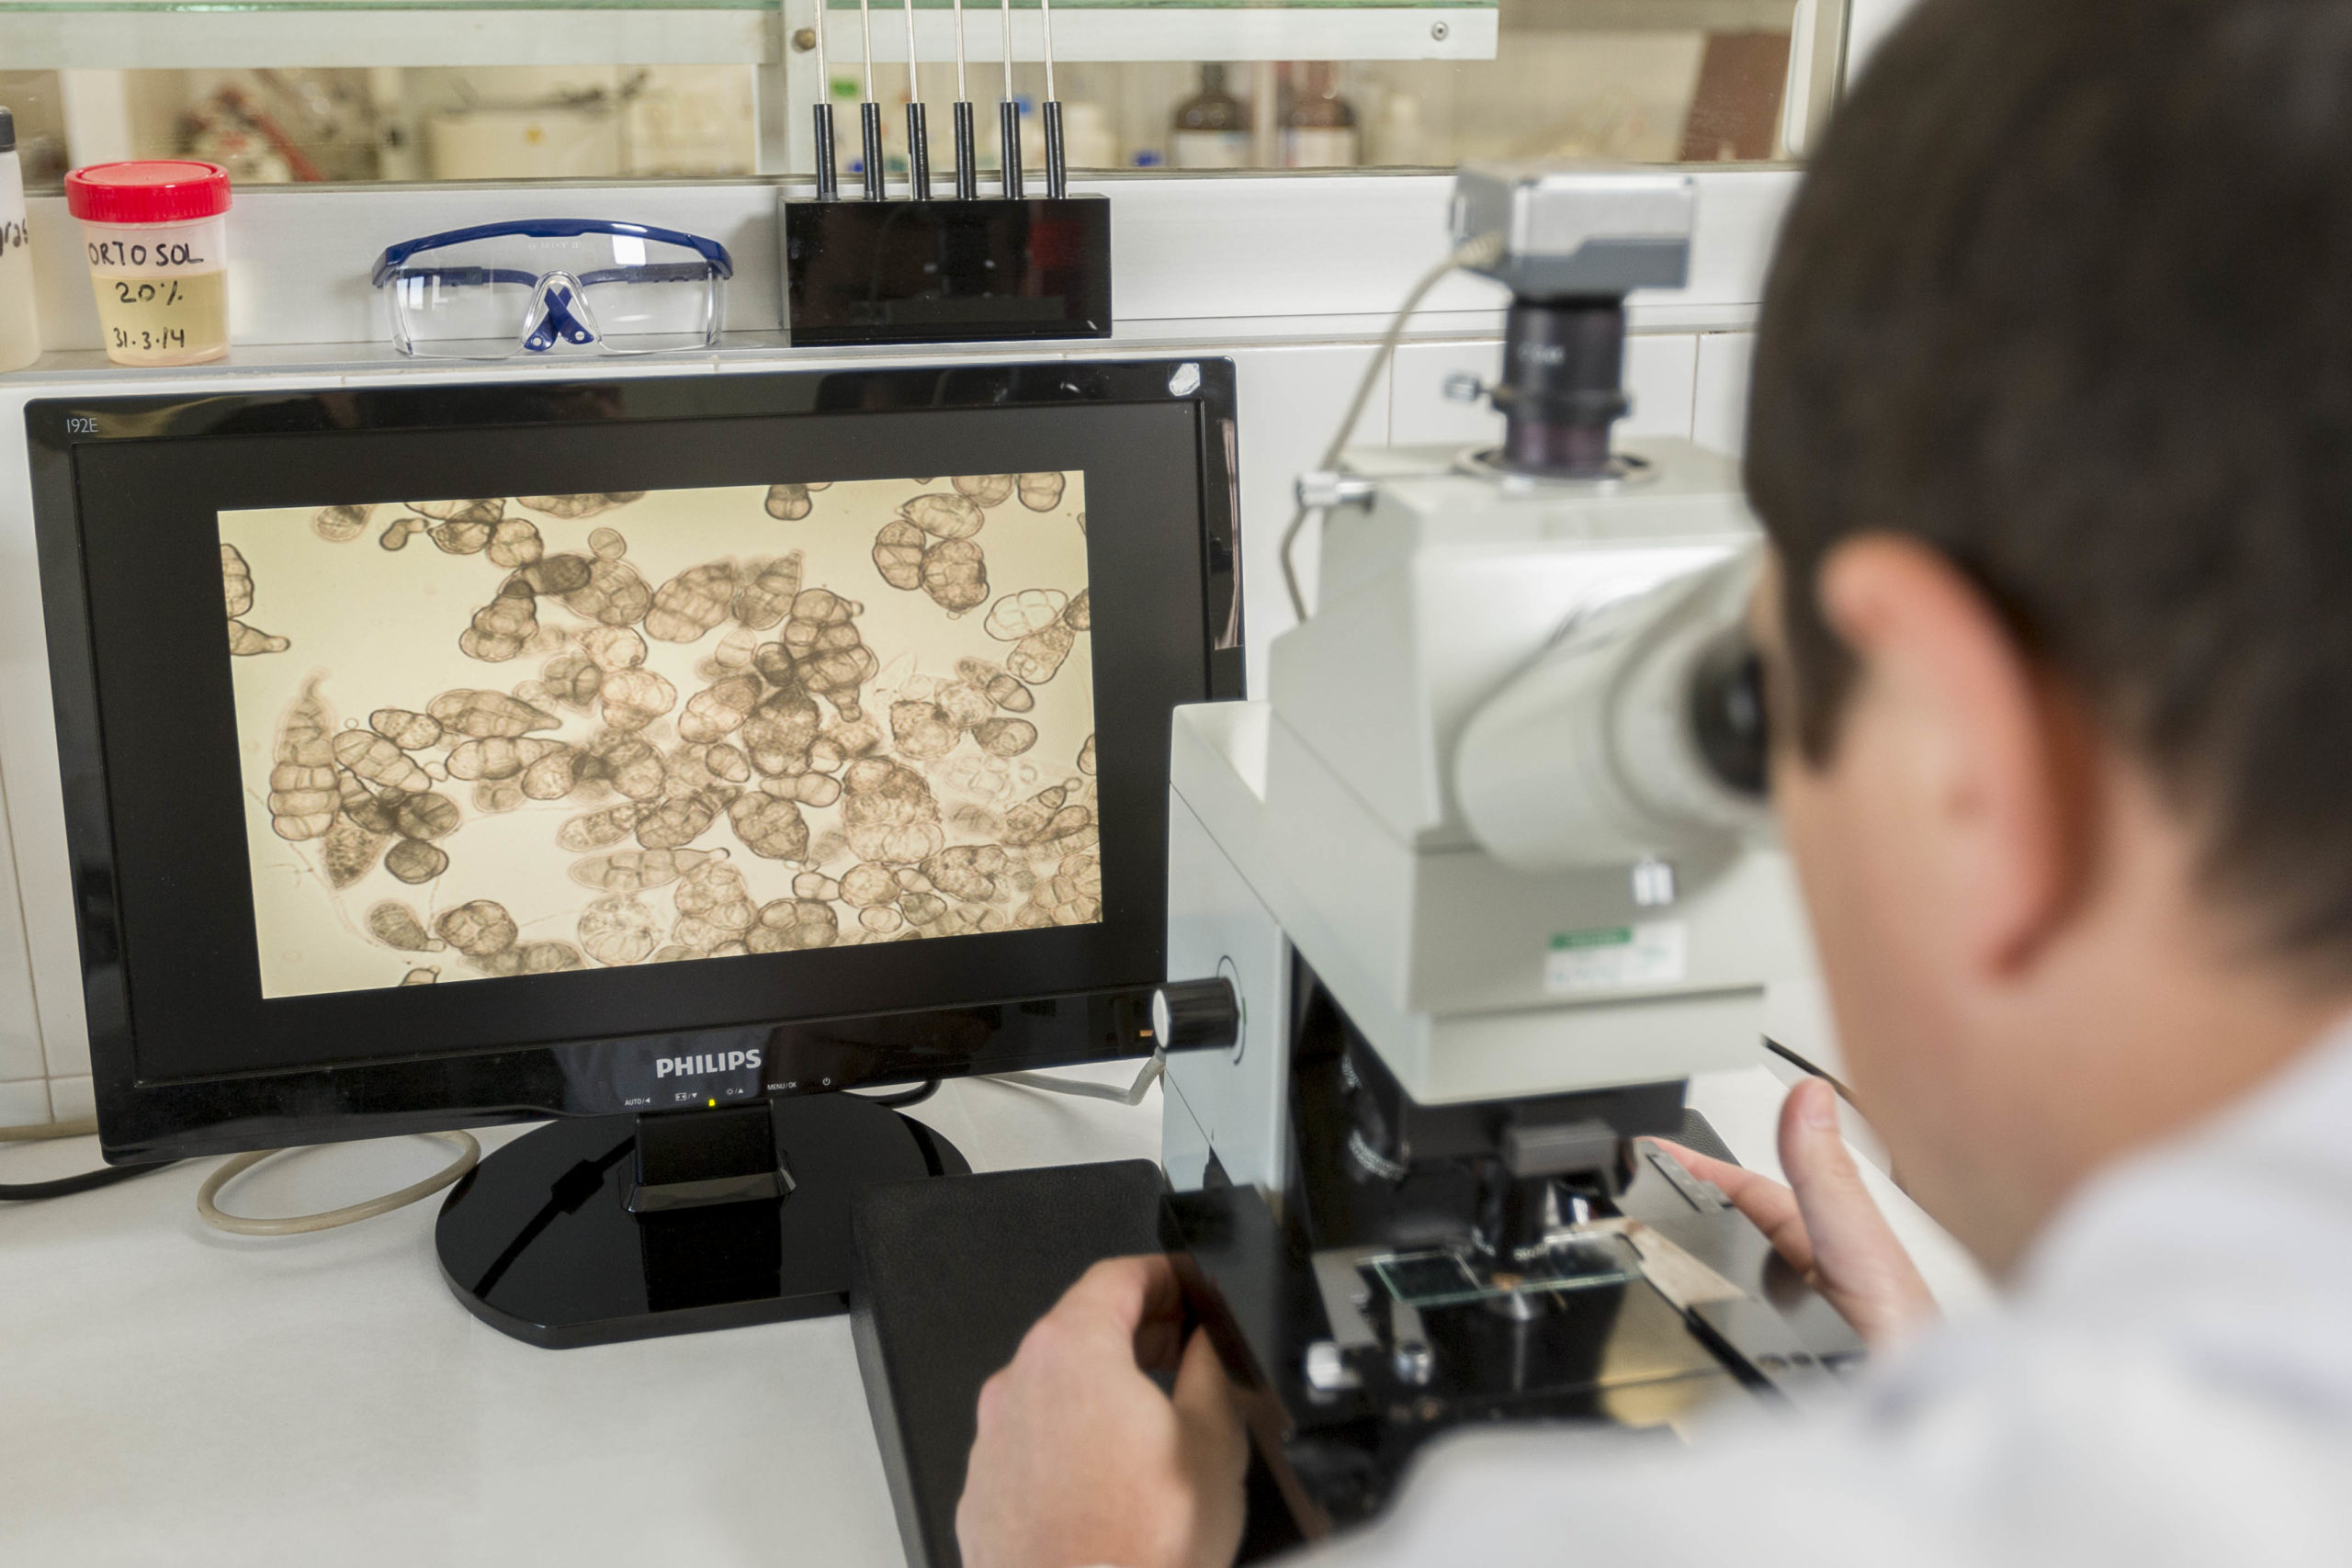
x=1122, y=1294
x=1859, y=1261
x=1813, y=1151
x=1770, y=1207
x=1204, y=1399
x=1159, y=1344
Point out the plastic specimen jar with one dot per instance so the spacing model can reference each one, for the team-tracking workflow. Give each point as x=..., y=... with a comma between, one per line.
x=156, y=232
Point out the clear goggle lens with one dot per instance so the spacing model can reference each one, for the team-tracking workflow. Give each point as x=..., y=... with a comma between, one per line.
x=505, y=294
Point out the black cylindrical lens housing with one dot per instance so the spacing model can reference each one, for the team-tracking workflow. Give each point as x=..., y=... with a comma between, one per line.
x=1563, y=387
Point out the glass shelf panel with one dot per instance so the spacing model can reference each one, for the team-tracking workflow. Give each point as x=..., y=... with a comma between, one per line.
x=392, y=90
x=978, y=8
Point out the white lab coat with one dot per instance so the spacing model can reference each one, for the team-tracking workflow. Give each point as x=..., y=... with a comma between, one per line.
x=2170, y=1384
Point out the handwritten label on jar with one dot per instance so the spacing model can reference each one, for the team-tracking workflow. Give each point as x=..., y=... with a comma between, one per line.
x=141, y=256
x=156, y=314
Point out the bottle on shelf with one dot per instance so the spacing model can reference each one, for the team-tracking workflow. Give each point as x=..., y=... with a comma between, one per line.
x=19, y=330
x=1211, y=129
x=1319, y=125
x=1401, y=137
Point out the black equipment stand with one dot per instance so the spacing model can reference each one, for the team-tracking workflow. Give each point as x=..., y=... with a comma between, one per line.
x=600, y=1229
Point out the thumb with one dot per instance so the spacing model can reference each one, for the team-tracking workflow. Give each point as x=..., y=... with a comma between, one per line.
x=1216, y=1455
x=1819, y=1167
x=1206, y=1404
x=1858, y=1262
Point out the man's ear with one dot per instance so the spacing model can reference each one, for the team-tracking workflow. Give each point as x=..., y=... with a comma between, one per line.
x=1983, y=758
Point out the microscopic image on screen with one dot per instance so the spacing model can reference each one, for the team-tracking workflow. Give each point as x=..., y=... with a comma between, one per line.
x=526, y=734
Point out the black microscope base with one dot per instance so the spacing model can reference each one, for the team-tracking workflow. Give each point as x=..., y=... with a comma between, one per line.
x=536, y=1241
x=1614, y=1353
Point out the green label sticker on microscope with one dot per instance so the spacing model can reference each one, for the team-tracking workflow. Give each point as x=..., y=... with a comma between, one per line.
x=1616, y=958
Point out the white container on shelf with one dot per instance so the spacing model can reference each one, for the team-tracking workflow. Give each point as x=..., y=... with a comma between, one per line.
x=19, y=324
x=157, y=235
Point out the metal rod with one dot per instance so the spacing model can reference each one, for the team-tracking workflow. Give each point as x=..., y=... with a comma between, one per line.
x=1056, y=169
x=918, y=152
x=869, y=116
x=869, y=111
x=918, y=122
x=967, y=155
x=1008, y=118
x=960, y=94
x=1008, y=130
x=829, y=179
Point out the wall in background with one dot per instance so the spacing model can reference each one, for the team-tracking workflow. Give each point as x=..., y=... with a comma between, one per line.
x=1292, y=278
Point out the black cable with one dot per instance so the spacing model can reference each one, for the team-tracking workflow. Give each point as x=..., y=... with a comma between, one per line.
x=905, y=1097
x=66, y=1186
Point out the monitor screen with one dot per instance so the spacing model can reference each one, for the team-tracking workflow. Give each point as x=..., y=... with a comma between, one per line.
x=809, y=729
x=527, y=735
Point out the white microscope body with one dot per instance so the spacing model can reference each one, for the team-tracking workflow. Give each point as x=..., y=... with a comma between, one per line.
x=1486, y=879
x=1470, y=803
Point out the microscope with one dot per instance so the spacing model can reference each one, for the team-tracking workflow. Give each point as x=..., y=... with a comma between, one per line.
x=1456, y=911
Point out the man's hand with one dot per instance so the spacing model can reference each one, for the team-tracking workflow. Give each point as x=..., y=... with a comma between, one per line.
x=1828, y=1228
x=1082, y=1461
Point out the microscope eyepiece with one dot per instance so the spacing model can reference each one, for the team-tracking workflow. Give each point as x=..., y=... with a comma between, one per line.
x=1727, y=717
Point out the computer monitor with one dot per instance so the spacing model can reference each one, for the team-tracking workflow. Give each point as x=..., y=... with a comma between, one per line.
x=651, y=753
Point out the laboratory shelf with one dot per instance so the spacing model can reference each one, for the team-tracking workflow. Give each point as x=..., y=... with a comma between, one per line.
x=223, y=34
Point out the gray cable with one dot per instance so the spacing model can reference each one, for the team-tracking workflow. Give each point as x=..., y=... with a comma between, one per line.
x=1484, y=250
x=469, y=1156
x=1132, y=1095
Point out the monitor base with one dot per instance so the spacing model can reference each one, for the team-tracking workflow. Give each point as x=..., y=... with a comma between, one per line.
x=538, y=1241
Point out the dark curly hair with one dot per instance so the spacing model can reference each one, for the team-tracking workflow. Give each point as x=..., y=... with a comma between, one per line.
x=2068, y=295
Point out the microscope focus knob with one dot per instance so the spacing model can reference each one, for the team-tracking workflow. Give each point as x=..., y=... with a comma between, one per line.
x=1196, y=1015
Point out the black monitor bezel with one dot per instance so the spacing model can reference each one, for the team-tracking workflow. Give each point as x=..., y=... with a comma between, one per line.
x=144, y=1120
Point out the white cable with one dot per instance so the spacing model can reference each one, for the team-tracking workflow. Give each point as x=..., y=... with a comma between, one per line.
x=1484, y=250
x=961, y=96
x=865, y=32
x=33, y=1132
x=469, y=1156
x=1047, y=1083
x=914, y=84
x=824, y=71
x=1045, y=18
x=1008, y=50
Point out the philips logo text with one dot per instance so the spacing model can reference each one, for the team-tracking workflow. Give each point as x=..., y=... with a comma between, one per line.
x=695, y=1066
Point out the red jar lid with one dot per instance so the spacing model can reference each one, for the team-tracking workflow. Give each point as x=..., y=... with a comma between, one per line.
x=157, y=190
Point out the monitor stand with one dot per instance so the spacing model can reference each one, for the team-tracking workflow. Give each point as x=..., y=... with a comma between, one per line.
x=598, y=1229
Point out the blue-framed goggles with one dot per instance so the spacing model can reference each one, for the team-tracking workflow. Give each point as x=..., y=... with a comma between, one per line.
x=497, y=290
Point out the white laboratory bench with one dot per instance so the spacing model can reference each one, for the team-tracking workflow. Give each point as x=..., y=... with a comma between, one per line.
x=172, y=1395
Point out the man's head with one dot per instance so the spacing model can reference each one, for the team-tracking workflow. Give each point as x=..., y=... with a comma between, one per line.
x=2053, y=433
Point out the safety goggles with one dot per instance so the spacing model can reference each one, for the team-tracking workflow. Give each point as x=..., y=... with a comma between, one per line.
x=498, y=291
